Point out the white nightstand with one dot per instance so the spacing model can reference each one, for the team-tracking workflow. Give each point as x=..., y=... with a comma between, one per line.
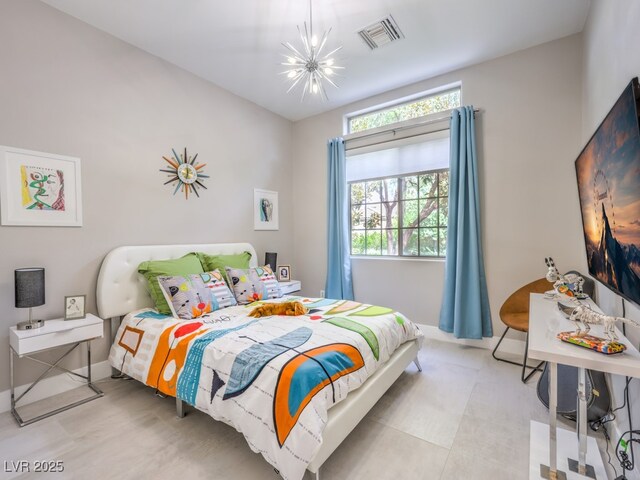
x=291, y=286
x=54, y=334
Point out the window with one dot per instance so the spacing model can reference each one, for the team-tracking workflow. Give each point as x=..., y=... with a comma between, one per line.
x=434, y=103
x=400, y=216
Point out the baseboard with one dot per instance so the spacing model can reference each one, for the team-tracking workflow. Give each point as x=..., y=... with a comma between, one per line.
x=54, y=385
x=509, y=345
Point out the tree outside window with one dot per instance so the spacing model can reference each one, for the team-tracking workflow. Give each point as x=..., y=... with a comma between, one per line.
x=400, y=216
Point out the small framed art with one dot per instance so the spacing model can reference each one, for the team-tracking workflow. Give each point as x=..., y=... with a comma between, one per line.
x=265, y=209
x=74, y=307
x=284, y=273
x=39, y=189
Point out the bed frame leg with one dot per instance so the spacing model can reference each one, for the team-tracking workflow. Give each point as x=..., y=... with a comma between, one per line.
x=180, y=408
x=417, y=362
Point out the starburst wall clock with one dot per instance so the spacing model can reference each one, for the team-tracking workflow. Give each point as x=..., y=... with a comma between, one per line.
x=184, y=173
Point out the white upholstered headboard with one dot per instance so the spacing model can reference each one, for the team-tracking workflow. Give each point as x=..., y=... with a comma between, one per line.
x=121, y=289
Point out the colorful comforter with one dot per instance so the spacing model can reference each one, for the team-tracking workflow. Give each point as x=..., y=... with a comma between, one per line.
x=272, y=378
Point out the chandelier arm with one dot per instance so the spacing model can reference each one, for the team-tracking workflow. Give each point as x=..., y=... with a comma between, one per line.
x=323, y=92
x=326, y=57
x=296, y=53
x=322, y=43
x=306, y=43
x=325, y=77
x=296, y=80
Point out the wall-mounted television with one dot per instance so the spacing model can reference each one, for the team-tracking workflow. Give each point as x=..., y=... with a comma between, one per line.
x=608, y=171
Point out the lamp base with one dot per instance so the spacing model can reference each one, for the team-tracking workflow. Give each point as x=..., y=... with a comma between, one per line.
x=30, y=325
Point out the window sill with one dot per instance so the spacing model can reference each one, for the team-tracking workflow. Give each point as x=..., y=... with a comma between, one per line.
x=401, y=259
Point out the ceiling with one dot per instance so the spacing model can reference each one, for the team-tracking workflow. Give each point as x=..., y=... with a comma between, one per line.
x=237, y=44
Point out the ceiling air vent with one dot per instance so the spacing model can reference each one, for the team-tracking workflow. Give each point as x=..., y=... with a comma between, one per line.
x=380, y=33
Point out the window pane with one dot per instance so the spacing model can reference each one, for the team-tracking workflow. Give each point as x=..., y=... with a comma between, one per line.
x=389, y=191
x=389, y=215
x=373, y=191
x=435, y=103
x=442, y=243
x=444, y=184
x=374, y=242
x=444, y=211
x=428, y=185
x=410, y=246
x=429, y=241
x=390, y=242
x=429, y=212
x=357, y=217
x=357, y=243
x=374, y=216
x=409, y=212
x=410, y=188
x=357, y=193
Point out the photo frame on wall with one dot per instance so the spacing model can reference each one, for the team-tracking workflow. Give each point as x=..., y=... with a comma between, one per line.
x=39, y=189
x=265, y=209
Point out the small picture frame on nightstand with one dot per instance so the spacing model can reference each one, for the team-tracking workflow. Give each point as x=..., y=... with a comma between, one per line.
x=284, y=273
x=74, y=307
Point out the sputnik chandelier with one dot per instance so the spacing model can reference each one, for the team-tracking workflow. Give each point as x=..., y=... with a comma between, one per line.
x=308, y=66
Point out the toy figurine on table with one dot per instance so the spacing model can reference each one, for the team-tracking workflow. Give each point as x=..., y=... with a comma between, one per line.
x=583, y=316
x=569, y=284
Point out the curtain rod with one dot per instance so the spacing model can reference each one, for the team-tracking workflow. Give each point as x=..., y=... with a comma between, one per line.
x=356, y=136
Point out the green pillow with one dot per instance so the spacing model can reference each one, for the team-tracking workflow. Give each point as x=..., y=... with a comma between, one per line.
x=151, y=270
x=221, y=262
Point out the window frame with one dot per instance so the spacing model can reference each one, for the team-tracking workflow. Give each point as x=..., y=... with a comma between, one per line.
x=399, y=229
x=399, y=103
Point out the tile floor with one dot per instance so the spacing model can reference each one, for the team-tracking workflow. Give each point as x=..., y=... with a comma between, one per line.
x=466, y=416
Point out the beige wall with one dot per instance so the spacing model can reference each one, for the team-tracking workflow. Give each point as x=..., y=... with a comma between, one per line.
x=70, y=89
x=528, y=136
x=611, y=60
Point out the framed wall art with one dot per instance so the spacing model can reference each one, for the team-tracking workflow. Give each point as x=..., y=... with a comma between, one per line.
x=265, y=209
x=39, y=189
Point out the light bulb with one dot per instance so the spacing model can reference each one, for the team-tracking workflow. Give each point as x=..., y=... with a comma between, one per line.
x=329, y=62
x=314, y=41
x=314, y=87
x=291, y=74
x=291, y=60
x=328, y=71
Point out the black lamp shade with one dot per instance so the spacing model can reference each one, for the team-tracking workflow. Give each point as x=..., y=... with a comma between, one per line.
x=270, y=258
x=29, y=287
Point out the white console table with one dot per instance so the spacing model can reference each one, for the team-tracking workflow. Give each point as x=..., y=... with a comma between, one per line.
x=545, y=322
x=292, y=286
x=54, y=334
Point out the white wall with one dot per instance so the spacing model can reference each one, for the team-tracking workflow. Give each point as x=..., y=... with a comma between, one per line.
x=611, y=60
x=70, y=89
x=528, y=137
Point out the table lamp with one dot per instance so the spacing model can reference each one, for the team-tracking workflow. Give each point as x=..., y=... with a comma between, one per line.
x=29, y=284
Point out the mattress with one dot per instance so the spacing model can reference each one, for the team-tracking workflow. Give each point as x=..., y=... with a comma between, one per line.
x=272, y=378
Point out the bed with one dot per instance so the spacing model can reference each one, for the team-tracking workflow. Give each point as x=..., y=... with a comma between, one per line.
x=122, y=296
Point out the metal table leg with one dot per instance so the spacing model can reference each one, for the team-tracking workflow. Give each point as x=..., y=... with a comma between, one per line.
x=551, y=471
x=581, y=466
x=56, y=365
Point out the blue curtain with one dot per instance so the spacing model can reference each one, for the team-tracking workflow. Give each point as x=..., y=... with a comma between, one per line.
x=465, y=306
x=339, y=283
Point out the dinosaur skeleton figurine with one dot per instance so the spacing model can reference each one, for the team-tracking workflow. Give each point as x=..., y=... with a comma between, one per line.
x=566, y=283
x=583, y=316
